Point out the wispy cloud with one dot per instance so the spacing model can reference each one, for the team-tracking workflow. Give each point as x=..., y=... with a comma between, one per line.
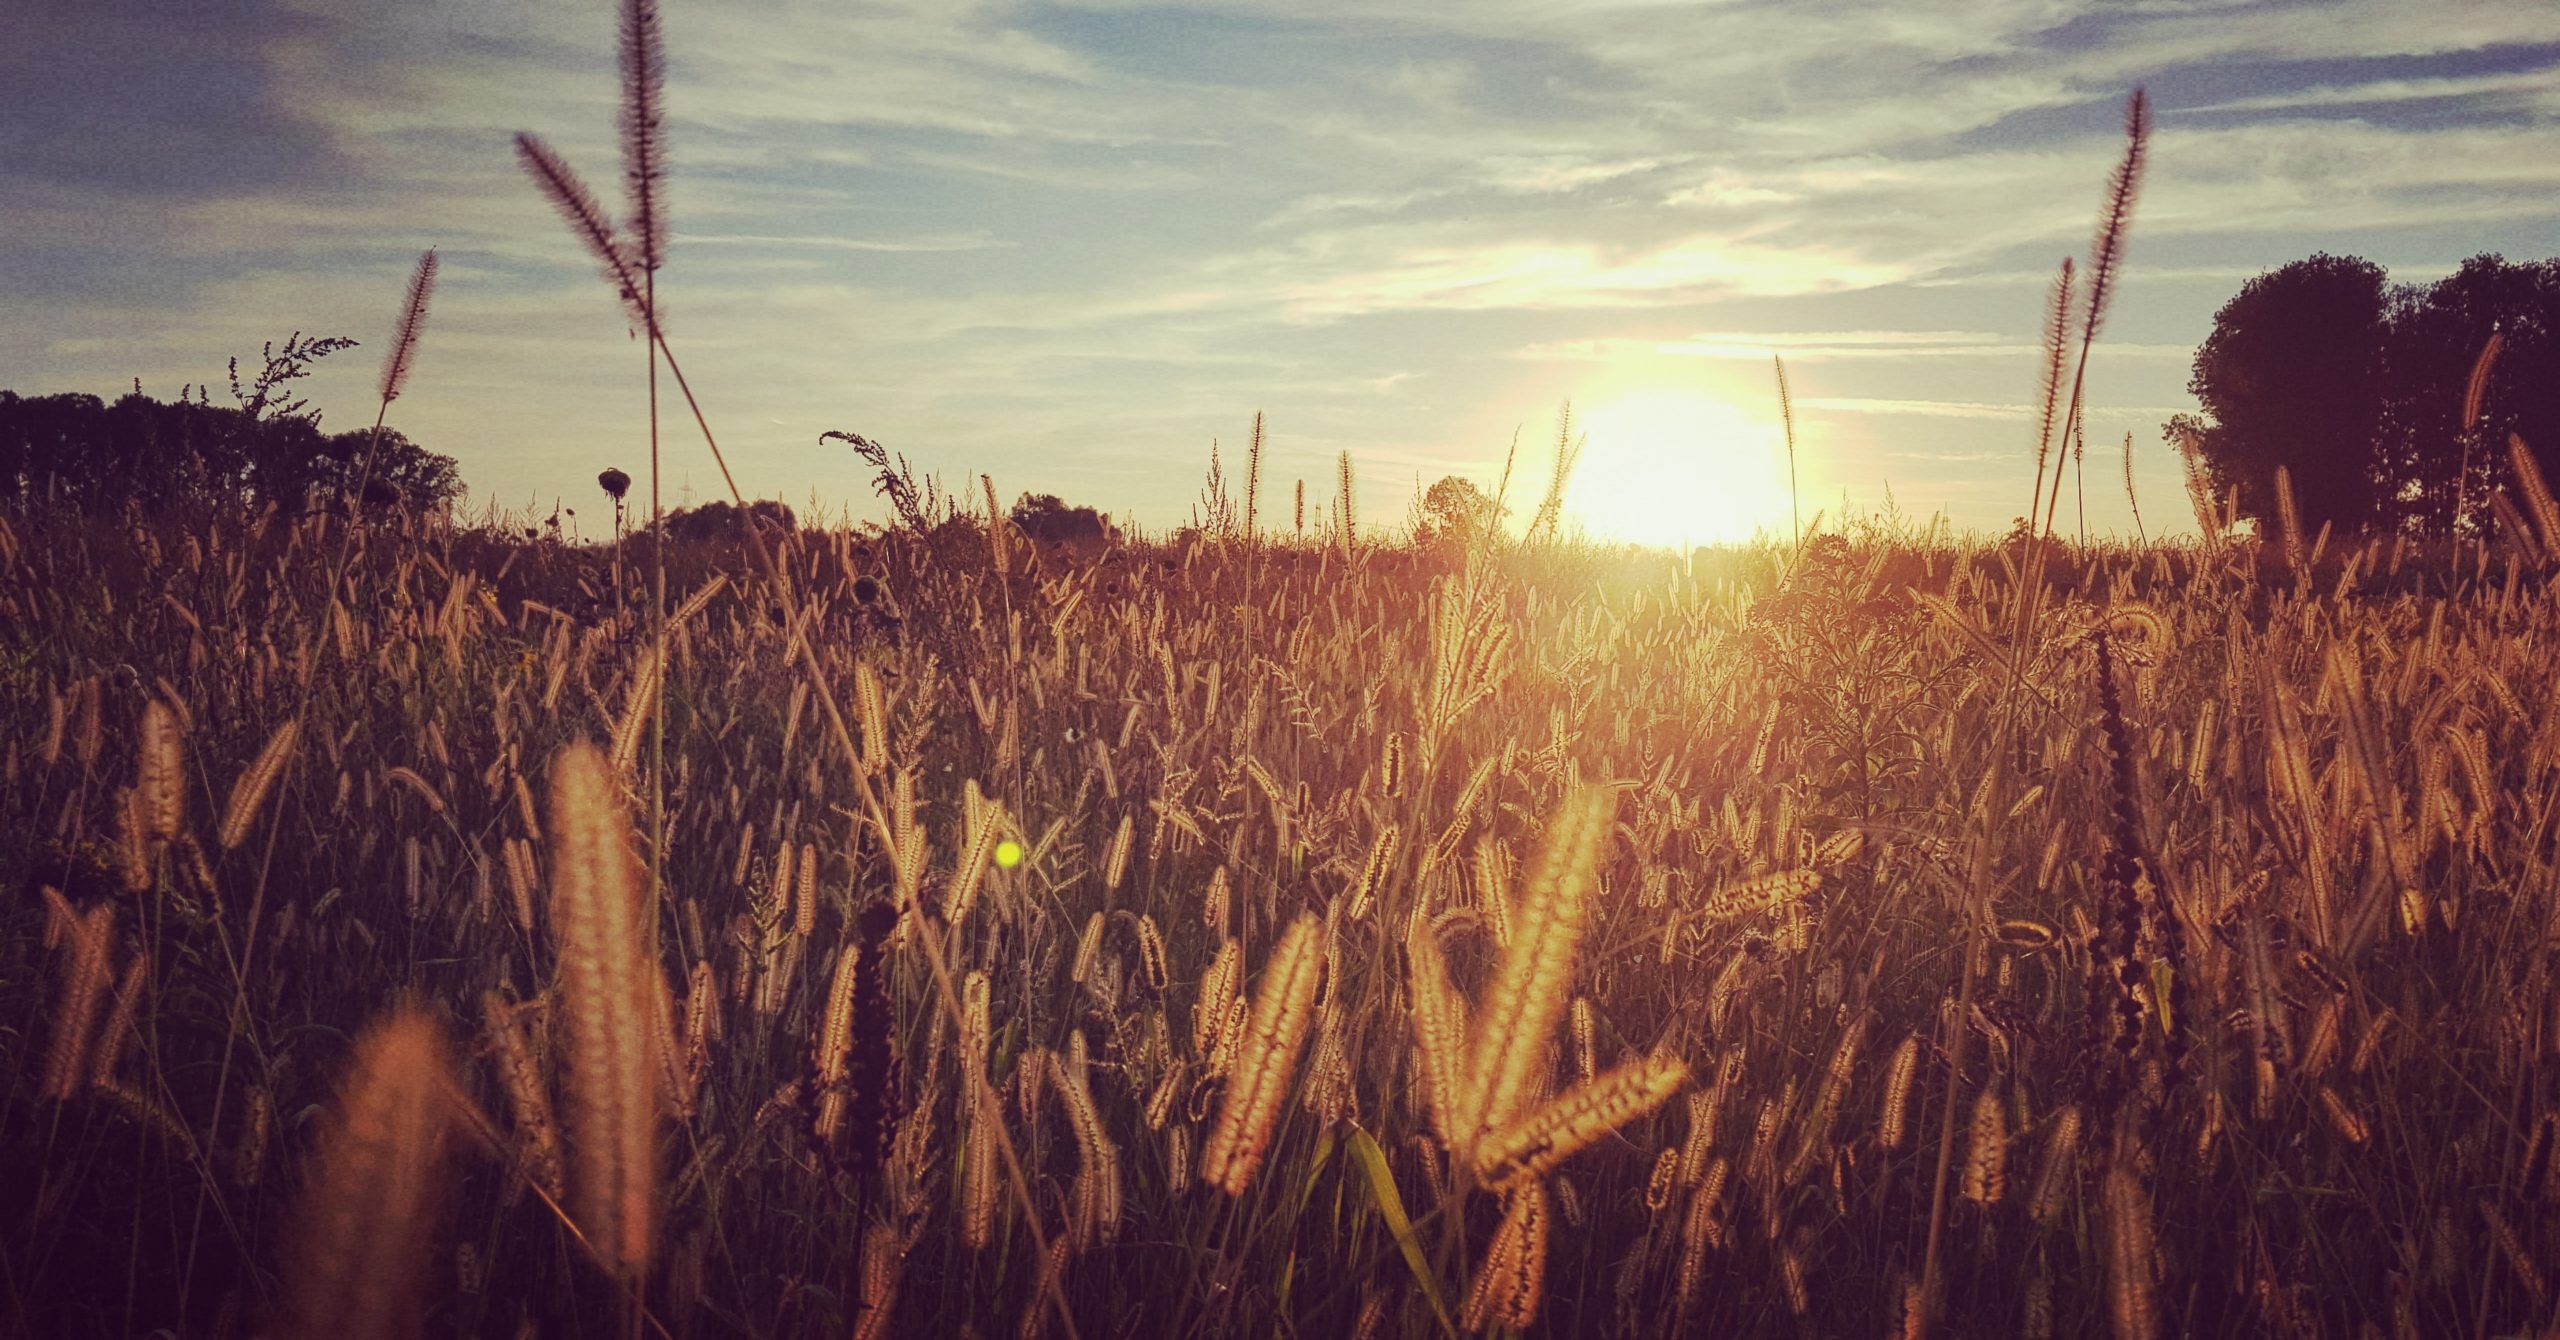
x=1069, y=243
x=1961, y=409
x=964, y=242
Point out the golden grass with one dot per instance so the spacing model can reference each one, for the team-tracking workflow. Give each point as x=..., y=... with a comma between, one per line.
x=2130, y=880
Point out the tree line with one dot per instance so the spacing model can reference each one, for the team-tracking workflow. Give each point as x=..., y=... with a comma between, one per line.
x=2359, y=388
x=268, y=446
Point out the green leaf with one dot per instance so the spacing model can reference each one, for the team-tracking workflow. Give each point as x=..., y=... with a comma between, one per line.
x=1390, y=1203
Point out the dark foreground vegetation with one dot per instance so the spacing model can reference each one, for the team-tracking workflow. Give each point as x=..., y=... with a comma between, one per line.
x=2199, y=938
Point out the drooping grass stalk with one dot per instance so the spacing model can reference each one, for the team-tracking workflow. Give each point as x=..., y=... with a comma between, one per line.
x=586, y=221
x=2475, y=394
x=2106, y=259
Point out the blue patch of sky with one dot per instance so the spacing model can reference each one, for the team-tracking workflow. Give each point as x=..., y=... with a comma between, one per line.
x=139, y=108
x=2193, y=94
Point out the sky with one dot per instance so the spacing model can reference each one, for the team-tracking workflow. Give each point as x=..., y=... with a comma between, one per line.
x=1073, y=246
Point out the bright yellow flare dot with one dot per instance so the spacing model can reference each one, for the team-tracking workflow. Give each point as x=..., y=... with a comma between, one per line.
x=1008, y=853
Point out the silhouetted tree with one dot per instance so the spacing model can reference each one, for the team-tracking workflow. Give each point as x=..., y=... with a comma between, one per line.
x=2290, y=376
x=1456, y=512
x=2357, y=388
x=2435, y=337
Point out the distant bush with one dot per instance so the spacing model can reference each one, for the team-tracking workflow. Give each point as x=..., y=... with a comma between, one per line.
x=722, y=520
x=1050, y=523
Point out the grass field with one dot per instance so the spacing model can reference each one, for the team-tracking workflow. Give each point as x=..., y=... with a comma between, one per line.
x=421, y=928
x=1642, y=890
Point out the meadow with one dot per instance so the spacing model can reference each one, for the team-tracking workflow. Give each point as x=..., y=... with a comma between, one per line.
x=426, y=927
x=2182, y=968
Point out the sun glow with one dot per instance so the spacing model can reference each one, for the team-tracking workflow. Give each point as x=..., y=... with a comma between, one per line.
x=1676, y=469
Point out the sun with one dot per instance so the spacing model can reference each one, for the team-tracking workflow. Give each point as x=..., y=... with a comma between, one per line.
x=1677, y=469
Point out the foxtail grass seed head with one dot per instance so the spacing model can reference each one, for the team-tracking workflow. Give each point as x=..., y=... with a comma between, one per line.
x=1151, y=962
x=538, y=1148
x=1585, y=1048
x=2343, y=1117
x=1373, y=873
x=1700, y=1230
x=980, y=855
x=1220, y=987
x=2115, y=222
x=835, y=1044
x=108, y=1052
x=2053, y=1181
x=1986, y=1167
x=162, y=785
x=1576, y=1119
x=357, y=1263
x=1530, y=987
x=871, y=701
x=638, y=702
x=1267, y=1062
x=1096, y=1199
x=413, y=324
x=249, y=793
x=606, y=977
x=978, y=1177
x=1509, y=1285
x=1115, y=866
x=1839, y=849
x=804, y=904
x=1088, y=952
x=586, y=219
x=2511, y=1249
x=644, y=132
x=1899, y=1072
x=86, y=942
x=2132, y=1297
